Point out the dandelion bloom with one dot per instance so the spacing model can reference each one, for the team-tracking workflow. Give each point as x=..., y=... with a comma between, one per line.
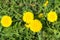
x=46, y=3
x=28, y=16
x=40, y=15
x=35, y=25
x=52, y=16
x=6, y=21
x=27, y=25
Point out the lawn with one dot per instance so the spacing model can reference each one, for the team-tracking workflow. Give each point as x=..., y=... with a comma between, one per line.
x=18, y=31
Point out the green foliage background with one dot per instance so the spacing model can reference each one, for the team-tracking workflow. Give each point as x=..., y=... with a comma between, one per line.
x=17, y=31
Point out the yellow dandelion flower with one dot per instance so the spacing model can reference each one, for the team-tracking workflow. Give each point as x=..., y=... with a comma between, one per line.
x=40, y=15
x=35, y=25
x=52, y=16
x=27, y=25
x=46, y=3
x=6, y=21
x=28, y=16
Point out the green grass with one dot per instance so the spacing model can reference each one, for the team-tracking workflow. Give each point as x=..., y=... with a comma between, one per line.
x=17, y=31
